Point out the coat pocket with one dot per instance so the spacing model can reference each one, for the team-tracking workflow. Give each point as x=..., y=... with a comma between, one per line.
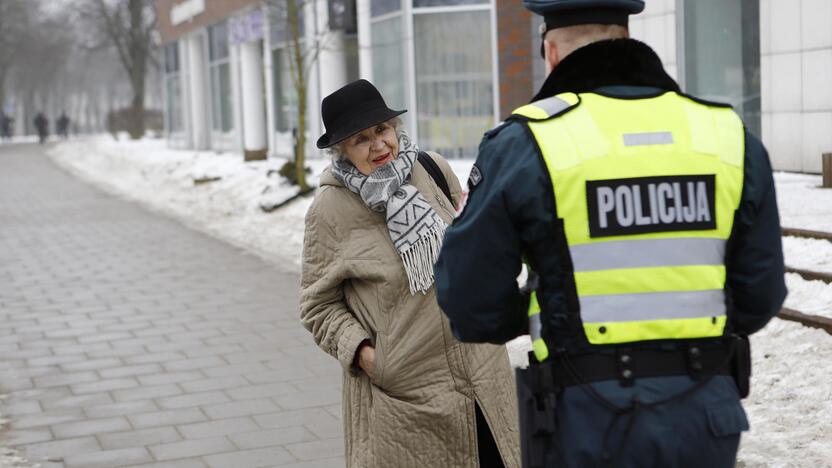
x=727, y=419
x=377, y=378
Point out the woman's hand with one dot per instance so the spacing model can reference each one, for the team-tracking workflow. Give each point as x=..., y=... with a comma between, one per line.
x=367, y=359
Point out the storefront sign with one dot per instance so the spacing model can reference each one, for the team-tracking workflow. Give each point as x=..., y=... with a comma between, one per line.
x=246, y=28
x=186, y=10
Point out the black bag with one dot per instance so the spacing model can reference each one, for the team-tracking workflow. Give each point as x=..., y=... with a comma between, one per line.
x=435, y=173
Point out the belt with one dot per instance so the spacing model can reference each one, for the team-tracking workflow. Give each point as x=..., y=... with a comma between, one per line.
x=627, y=364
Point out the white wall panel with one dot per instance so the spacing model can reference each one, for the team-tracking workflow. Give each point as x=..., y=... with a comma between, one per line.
x=785, y=25
x=816, y=24
x=817, y=80
x=786, y=141
x=786, y=82
x=817, y=139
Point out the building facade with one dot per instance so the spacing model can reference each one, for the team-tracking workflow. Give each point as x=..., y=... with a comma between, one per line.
x=460, y=66
x=228, y=65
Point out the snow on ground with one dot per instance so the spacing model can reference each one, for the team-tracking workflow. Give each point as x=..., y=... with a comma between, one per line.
x=789, y=406
x=229, y=208
x=802, y=203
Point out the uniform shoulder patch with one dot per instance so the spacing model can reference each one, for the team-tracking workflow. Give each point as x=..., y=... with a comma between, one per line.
x=474, y=178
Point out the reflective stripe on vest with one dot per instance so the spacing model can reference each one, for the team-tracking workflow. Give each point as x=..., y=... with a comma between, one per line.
x=541, y=351
x=647, y=190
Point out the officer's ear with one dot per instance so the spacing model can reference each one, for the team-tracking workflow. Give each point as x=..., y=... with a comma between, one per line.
x=550, y=54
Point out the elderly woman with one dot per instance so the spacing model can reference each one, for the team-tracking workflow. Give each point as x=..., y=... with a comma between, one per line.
x=413, y=396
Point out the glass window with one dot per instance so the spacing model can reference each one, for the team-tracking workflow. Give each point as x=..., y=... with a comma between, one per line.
x=174, y=104
x=722, y=55
x=285, y=96
x=342, y=16
x=218, y=41
x=171, y=57
x=382, y=7
x=388, y=61
x=222, y=118
x=454, y=84
x=431, y=3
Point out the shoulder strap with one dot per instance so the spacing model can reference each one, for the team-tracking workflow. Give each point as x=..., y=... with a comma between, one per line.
x=435, y=173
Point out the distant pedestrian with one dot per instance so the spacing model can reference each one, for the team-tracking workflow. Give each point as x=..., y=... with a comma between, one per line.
x=62, y=126
x=42, y=126
x=6, y=126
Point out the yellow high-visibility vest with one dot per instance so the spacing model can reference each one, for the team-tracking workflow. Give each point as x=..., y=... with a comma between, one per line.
x=646, y=189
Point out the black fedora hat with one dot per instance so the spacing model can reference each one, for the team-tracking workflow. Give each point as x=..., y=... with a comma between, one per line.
x=351, y=109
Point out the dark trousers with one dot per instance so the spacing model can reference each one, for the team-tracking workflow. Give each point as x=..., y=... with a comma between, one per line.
x=486, y=446
x=700, y=430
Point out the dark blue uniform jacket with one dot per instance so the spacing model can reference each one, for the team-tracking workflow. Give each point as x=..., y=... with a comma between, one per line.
x=510, y=216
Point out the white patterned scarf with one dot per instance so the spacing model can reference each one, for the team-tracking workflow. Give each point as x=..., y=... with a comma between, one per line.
x=414, y=227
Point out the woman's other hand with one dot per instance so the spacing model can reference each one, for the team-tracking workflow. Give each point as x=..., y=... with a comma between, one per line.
x=366, y=358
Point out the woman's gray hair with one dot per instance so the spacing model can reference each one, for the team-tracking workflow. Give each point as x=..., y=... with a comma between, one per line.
x=336, y=151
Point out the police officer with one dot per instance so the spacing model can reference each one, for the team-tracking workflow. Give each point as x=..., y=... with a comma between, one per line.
x=649, y=223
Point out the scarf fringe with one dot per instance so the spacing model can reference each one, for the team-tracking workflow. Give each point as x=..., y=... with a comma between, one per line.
x=420, y=257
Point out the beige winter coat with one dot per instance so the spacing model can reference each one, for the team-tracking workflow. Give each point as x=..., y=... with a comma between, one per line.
x=418, y=408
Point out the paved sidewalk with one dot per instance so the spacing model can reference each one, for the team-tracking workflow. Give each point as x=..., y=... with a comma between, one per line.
x=128, y=340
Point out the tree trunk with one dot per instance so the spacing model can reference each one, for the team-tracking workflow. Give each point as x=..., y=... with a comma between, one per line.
x=300, y=150
x=299, y=76
x=138, y=56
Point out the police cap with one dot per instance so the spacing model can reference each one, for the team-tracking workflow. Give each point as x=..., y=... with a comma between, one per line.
x=561, y=13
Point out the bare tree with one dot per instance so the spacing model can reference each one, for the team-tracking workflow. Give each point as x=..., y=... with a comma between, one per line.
x=128, y=26
x=303, y=51
x=16, y=17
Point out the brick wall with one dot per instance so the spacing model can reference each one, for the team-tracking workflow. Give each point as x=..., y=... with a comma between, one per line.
x=514, y=52
x=215, y=10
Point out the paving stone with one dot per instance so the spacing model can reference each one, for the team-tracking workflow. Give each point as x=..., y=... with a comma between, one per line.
x=19, y=408
x=218, y=428
x=308, y=416
x=223, y=383
x=271, y=437
x=260, y=391
x=16, y=437
x=185, y=463
x=104, y=386
x=256, y=458
x=194, y=363
x=227, y=370
x=47, y=419
x=121, y=409
x=84, y=363
x=166, y=418
x=109, y=458
x=325, y=463
x=146, y=392
x=90, y=427
x=58, y=449
x=61, y=360
x=192, y=448
x=79, y=401
x=170, y=377
x=240, y=408
x=154, y=357
x=326, y=448
x=139, y=438
x=125, y=371
x=309, y=398
x=193, y=399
